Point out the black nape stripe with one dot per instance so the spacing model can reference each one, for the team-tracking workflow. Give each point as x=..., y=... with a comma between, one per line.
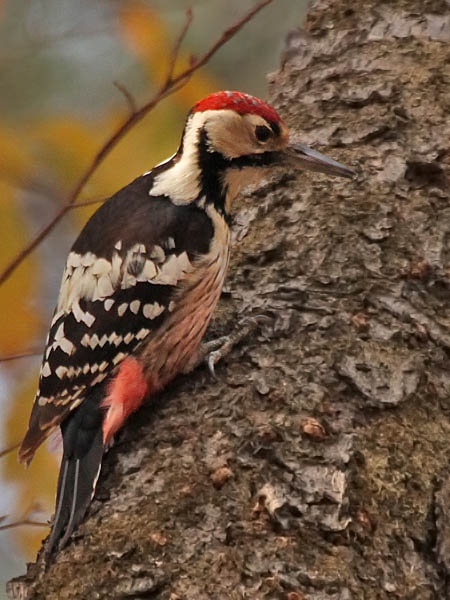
x=213, y=166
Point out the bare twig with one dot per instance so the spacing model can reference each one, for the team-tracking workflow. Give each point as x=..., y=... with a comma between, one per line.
x=25, y=519
x=88, y=202
x=23, y=522
x=177, y=45
x=169, y=86
x=128, y=96
x=30, y=184
x=9, y=449
x=24, y=354
x=21, y=256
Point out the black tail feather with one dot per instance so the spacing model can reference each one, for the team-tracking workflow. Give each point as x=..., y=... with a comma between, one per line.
x=80, y=467
x=62, y=493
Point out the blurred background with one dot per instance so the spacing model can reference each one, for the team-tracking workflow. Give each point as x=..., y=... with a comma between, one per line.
x=59, y=60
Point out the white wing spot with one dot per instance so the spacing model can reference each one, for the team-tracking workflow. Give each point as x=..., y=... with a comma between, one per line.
x=46, y=371
x=65, y=345
x=61, y=372
x=99, y=378
x=142, y=334
x=122, y=308
x=184, y=264
x=86, y=368
x=43, y=400
x=88, y=319
x=103, y=366
x=128, y=338
x=77, y=312
x=128, y=281
x=88, y=259
x=85, y=340
x=134, y=306
x=116, y=269
x=63, y=399
x=87, y=277
x=151, y=311
x=118, y=245
x=59, y=332
x=157, y=254
x=108, y=303
x=77, y=402
x=104, y=287
x=116, y=340
x=173, y=269
x=118, y=357
x=101, y=267
x=94, y=341
x=149, y=270
x=73, y=260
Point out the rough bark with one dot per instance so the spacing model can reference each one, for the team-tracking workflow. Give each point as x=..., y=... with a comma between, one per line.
x=316, y=468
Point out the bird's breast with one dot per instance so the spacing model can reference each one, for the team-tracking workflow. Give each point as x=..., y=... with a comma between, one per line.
x=173, y=347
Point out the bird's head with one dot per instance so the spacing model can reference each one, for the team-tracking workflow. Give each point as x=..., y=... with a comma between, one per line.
x=245, y=129
x=230, y=140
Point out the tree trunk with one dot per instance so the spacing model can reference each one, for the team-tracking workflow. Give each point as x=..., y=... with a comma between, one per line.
x=316, y=468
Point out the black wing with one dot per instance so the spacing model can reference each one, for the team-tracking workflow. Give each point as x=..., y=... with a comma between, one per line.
x=117, y=287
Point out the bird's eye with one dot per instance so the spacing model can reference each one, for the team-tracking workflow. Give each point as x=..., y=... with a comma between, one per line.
x=262, y=133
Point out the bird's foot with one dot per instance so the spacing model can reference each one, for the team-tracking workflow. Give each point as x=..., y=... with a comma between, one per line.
x=213, y=351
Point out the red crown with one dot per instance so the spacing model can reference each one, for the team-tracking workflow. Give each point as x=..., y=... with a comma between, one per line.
x=239, y=102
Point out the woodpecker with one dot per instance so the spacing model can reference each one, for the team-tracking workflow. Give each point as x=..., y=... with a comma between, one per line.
x=141, y=283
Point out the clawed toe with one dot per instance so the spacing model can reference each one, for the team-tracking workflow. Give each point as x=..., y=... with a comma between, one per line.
x=215, y=350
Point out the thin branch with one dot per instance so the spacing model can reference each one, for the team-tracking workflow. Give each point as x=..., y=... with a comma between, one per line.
x=25, y=518
x=31, y=184
x=25, y=354
x=169, y=86
x=88, y=202
x=226, y=35
x=128, y=96
x=176, y=48
x=22, y=522
x=7, y=451
x=21, y=256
